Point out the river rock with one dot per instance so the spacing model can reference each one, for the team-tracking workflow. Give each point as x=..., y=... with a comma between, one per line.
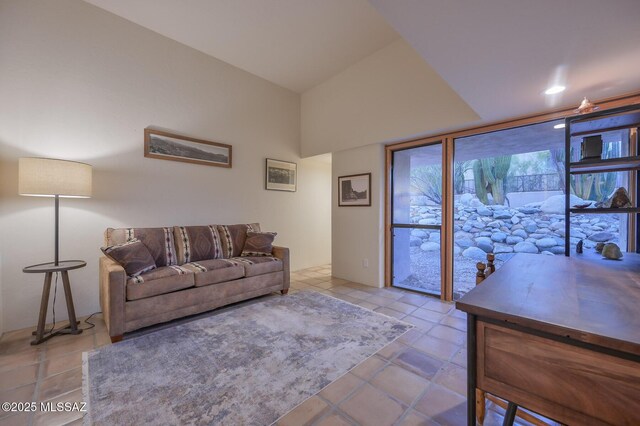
x=525, y=247
x=430, y=246
x=498, y=237
x=528, y=210
x=601, y=237
x=420, y=233
x=556, y=249
x=475, y=253
x=502, y=214
x=520, y=233
x=466, y=199
x=464, y=242
x=515, y=220
x=530, y=227
x=485, y=244
x=514, y=239
x=483, y=211
x=414, y=241
x=502, y=248
x=546, y=242
x=556, y=204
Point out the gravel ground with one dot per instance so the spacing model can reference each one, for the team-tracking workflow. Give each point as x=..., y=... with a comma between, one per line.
x=423, y=276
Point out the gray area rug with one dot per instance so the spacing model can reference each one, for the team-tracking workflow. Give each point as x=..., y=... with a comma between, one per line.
x=246, y=366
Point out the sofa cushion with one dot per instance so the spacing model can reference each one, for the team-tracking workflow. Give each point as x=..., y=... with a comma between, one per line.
x=258, y=265
x=195, y=243
x=159, y=241
x=233, y=237
x=133, y=256
x=159, y=281
x=214, y=271
x=258, y=243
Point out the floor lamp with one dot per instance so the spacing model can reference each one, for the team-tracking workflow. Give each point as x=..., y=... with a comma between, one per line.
x=47, y=177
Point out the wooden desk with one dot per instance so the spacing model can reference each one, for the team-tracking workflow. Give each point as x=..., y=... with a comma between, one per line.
x=560, y=336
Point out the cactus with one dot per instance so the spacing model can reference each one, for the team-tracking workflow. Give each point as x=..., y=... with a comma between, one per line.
x=604, y=186
x=480, y=183
x=594, y=187
x=489, y=175
x=581, y=185
x=501, y=169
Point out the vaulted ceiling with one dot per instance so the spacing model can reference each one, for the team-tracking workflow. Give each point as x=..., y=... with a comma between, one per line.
x=498, y=55
x=296, y=44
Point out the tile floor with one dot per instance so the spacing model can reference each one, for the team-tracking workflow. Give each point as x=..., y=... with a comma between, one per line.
x=420, y=379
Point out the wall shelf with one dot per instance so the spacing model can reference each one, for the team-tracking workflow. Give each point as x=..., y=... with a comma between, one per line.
x=605, y=210
x=603, y=166
x=627, y=117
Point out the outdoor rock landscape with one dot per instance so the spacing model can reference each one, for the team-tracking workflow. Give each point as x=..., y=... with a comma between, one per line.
x=480, y=229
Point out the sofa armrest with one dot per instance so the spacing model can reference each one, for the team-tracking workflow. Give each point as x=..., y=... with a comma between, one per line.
x=282, y=253
x=113, y=281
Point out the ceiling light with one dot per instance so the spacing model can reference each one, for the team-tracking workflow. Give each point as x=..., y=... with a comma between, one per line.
x=559, y=126
x=554, y=89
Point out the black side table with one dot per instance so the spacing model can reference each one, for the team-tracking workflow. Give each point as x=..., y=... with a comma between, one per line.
x=49, y=269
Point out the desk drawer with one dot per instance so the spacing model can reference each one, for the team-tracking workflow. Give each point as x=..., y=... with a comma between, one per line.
x=568, y=383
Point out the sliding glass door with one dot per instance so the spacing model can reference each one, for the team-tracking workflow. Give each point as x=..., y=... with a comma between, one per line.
x=416, y=218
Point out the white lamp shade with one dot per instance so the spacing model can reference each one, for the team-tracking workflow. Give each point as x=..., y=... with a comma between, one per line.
x=46, y=177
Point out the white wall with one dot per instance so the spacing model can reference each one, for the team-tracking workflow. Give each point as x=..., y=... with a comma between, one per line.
x=391, y=94
x=357, y=232
x=81, y=84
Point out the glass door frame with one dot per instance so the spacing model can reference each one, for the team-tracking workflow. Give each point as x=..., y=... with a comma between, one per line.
x=447, y=140
x=446, y=272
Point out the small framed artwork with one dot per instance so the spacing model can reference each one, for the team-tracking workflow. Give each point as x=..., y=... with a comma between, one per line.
x=281, y=175
x=354, y=190
x=168, y=146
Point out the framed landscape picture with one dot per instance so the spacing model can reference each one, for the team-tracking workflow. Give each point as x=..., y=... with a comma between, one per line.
x=167, y=146
x=281, y=175
x=354, y=190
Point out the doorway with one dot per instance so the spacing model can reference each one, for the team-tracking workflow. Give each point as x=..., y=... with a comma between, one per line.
x=416, y=218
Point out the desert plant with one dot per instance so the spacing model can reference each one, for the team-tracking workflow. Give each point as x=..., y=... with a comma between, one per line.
x=594, y=187
x=459, y=169
x=581, y=185
x=489, y=176
x=480, y=182
x=427, y=180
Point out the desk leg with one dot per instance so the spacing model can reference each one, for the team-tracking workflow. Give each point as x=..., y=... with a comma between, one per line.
x=44, y=304
x=471, y=370
x=73, y=324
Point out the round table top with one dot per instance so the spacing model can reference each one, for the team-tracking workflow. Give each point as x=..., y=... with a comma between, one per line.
x=63, y=265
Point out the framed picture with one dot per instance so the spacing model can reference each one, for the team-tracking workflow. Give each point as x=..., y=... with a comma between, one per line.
x=281, y=175
x=354, y=190
x=167, y=146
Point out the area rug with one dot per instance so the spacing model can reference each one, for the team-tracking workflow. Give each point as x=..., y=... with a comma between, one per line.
x=246, y=366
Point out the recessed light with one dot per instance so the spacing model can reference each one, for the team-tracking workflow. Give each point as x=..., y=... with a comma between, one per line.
x=554, y=89
x=559, y=126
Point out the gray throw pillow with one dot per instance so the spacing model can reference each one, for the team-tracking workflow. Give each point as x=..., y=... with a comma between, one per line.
x=258, y=244
x=133, y=256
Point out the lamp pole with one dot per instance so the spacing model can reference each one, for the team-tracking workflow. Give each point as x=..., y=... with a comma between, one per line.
x=57, y=208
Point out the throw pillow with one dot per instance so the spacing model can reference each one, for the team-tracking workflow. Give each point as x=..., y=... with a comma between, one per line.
x=133, y=256
x=258, y=244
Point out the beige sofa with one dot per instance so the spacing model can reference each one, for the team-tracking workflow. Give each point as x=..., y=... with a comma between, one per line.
x=198, y=268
